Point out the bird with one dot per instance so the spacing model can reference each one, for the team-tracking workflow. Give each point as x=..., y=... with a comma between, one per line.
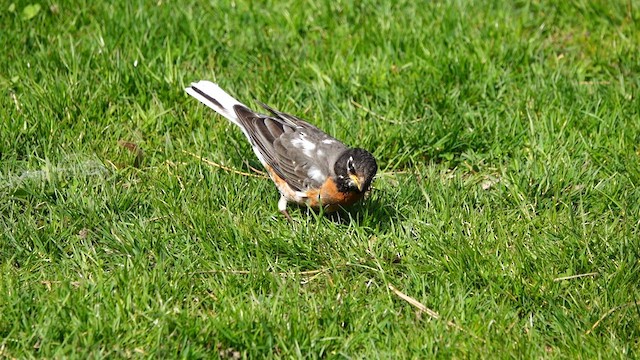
x=308, y=166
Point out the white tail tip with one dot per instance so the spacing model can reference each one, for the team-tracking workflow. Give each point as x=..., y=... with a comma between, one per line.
x=214, y=97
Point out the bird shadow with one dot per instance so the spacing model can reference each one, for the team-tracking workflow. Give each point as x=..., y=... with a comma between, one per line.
x=372, y=212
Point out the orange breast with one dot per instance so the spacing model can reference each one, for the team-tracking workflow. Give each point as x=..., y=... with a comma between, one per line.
x=328, y=195
x=331, y=198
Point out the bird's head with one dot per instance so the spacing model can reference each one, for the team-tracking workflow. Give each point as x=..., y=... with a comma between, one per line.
x=355, y=170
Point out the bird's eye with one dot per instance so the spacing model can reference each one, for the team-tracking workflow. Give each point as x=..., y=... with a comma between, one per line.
x=350, y=166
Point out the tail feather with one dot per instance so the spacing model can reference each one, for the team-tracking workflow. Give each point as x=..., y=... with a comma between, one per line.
x=214, y=97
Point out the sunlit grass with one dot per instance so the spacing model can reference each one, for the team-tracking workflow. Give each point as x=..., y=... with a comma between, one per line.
x=507, y=199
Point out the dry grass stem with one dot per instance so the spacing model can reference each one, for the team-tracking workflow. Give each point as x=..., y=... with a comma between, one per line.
x=422, y=308
x=248, y=272
x=259, y=174
x=611, y=311
x=575, y=276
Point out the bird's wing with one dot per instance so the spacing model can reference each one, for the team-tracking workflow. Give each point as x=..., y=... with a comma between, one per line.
x=298, y=152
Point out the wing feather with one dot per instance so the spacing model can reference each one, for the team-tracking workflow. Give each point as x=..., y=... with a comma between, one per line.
x=294, y=149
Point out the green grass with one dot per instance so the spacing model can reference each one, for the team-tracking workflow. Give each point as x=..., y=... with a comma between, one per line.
x=507, y=135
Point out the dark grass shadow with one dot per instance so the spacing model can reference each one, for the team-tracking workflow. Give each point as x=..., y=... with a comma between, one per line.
x=372, y=212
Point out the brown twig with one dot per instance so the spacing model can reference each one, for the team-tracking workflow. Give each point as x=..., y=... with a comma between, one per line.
x=259, y=174
x=424, y=309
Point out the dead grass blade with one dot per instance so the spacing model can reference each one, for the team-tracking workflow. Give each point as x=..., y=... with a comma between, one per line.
x=259, y=174
x=575, y=276
x=247, y=272
x=422, y=308
x=135, y=149
x=611, y=311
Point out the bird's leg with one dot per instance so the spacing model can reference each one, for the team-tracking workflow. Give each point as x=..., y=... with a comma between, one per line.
x=282, y=206
x=286, y=214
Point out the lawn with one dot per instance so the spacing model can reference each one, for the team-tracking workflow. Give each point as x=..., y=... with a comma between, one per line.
x=504, y=221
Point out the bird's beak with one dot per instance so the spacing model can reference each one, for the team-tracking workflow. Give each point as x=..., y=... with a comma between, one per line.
x=356, y=180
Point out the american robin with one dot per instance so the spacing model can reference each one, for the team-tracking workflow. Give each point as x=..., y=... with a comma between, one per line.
x=308, y=166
